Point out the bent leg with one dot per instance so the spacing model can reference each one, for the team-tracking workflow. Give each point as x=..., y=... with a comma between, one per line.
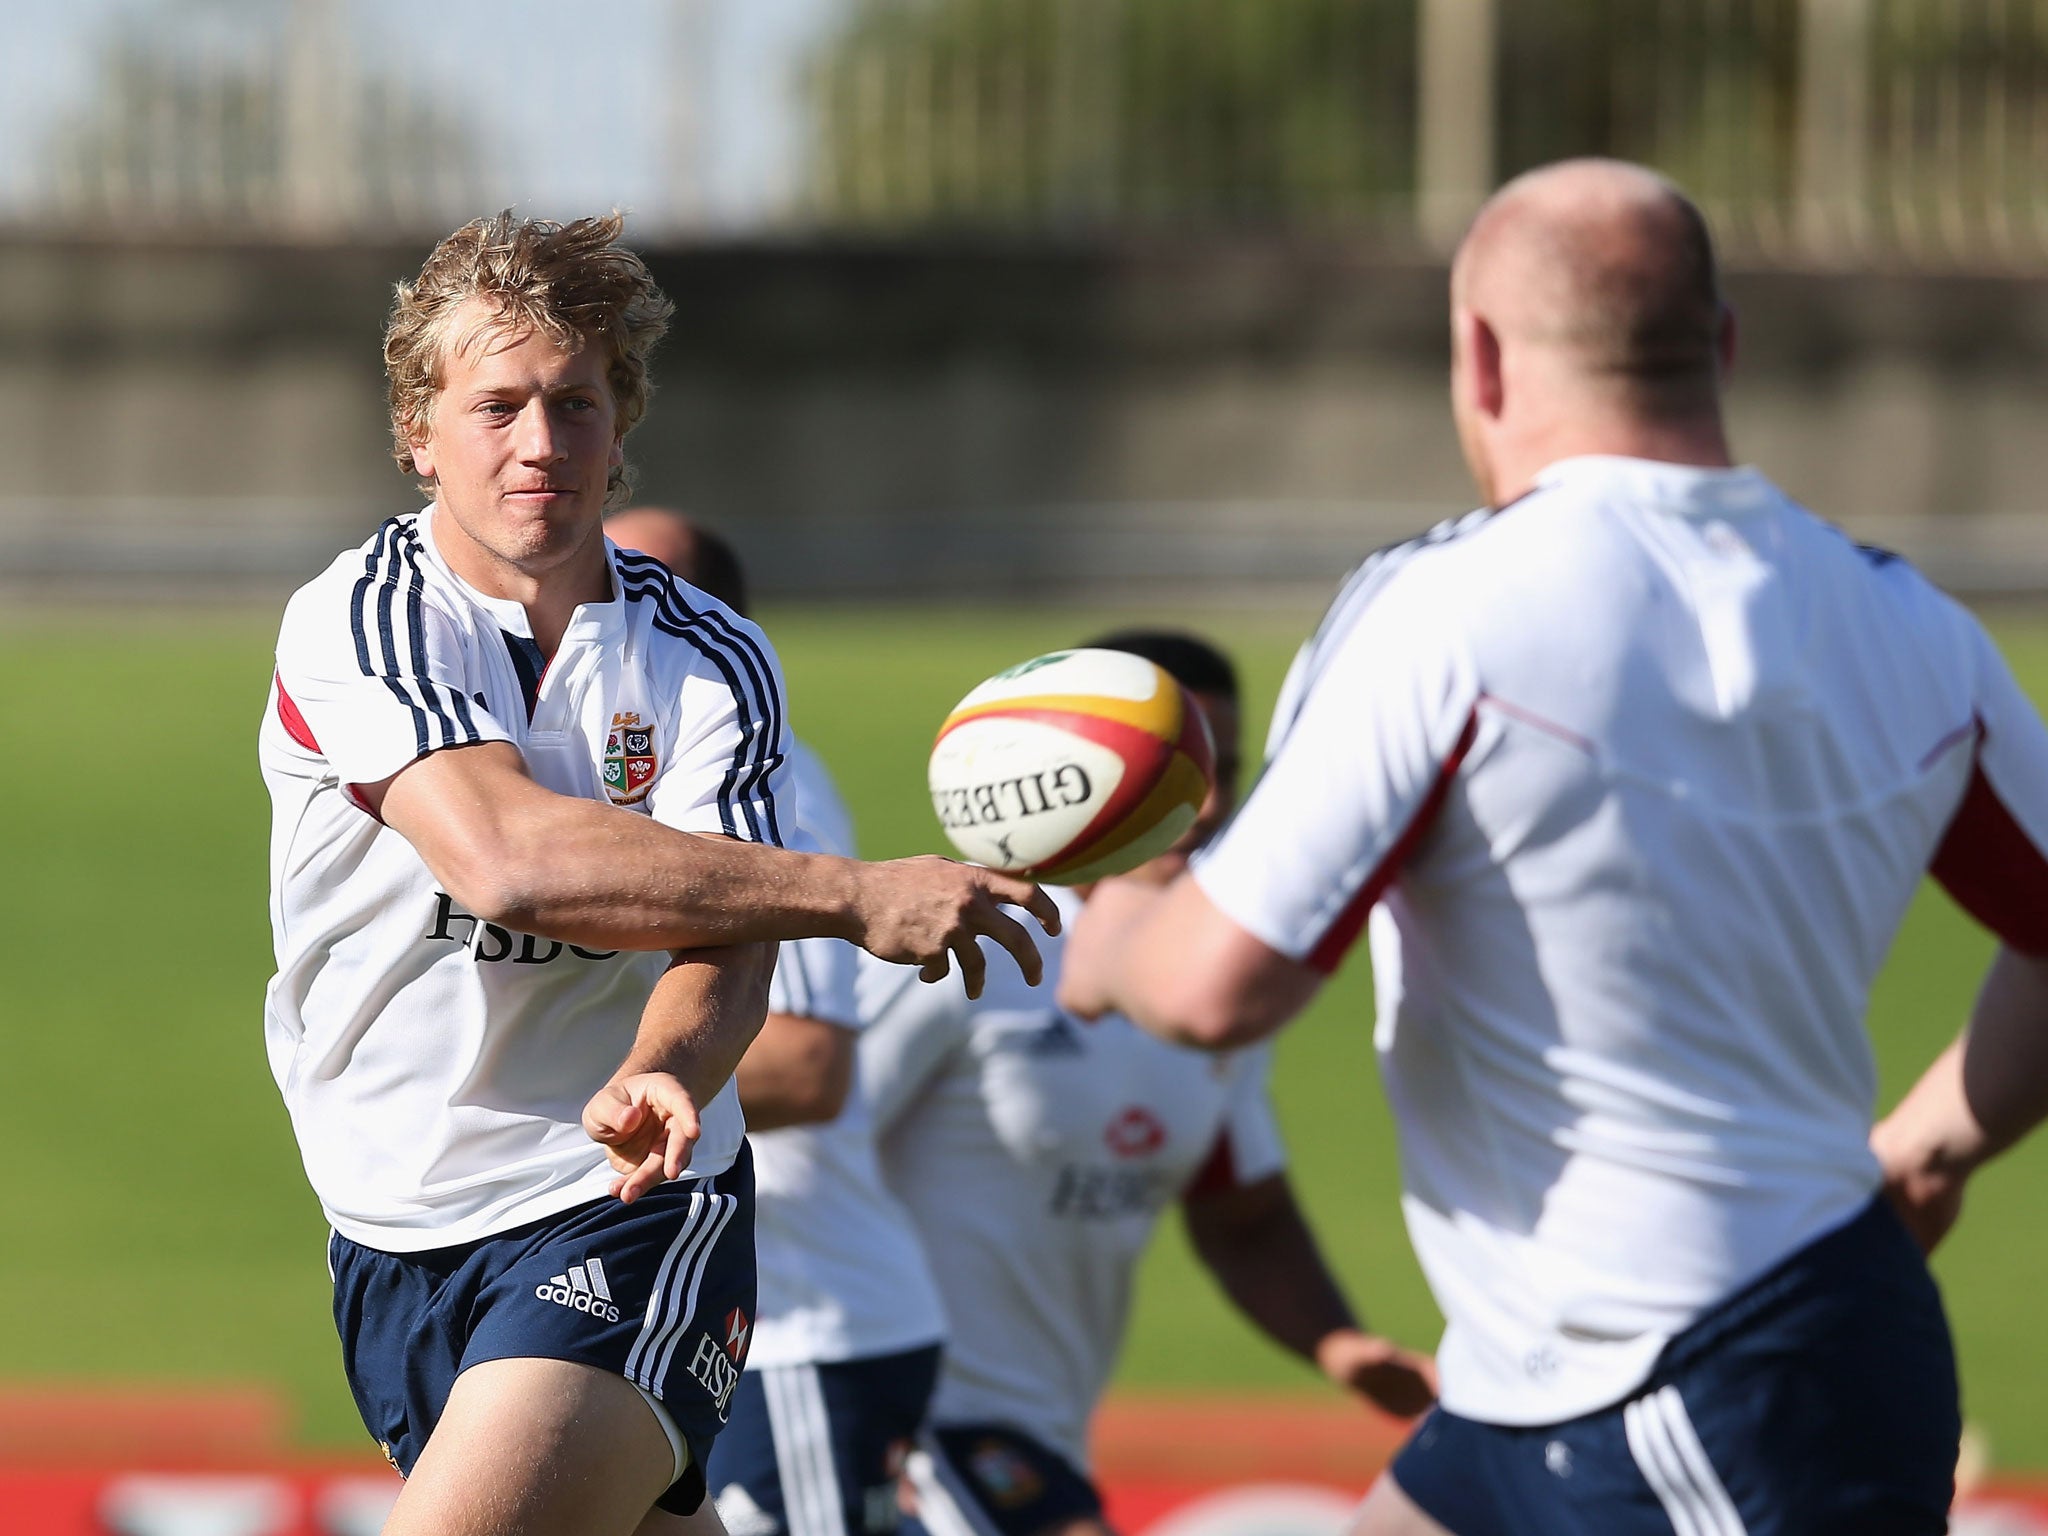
x=536, y=1447
x=1387, y=1511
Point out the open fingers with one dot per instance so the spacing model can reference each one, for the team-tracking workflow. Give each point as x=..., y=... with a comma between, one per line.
x=973, y=965
x=641, y=1179
x=679, y=1143
x=1035, y=899
x=1014, y=937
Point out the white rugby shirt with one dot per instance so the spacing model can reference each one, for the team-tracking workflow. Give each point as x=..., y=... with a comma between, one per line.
x=1636, y=779
x=1036, y=1153
x=843, y=1276
x=436, y=1066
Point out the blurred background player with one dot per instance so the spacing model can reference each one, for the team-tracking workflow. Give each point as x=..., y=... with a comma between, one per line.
x=507, y=771
x=845, y=1342
x=1636, y=773
x=1036, y=1155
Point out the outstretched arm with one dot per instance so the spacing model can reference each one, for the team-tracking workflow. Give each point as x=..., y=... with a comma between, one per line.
x=1178, y=967
x=704, y=1011
x=516, y=853
x=1254, y=1241
x=1982, y=1094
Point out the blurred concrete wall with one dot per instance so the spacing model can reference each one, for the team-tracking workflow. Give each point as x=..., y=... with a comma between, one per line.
x=961, y=422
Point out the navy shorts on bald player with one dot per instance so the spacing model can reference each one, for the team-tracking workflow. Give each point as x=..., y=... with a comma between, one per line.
x=1819, y=1401
x=660, y=1292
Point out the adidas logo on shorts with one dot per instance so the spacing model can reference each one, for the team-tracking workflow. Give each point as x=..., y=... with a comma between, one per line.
x=583, y=1288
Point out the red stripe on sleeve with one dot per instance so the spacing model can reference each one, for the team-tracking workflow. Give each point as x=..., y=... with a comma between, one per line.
x=1218, y=1171
x=1330, y=950
x=1991, y=867
x=293, y=722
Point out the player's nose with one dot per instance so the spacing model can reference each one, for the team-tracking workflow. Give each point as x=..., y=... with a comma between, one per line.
x=535, y=437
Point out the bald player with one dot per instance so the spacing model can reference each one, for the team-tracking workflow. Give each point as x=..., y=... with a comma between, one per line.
x=1632, y=774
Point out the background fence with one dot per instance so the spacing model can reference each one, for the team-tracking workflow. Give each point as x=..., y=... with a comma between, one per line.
x=1831, y=132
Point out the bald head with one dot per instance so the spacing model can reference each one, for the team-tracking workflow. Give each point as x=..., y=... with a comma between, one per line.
x=1609, y=268
x=695, y=553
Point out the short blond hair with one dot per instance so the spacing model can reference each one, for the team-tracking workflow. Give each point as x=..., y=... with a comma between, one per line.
x=574, y=283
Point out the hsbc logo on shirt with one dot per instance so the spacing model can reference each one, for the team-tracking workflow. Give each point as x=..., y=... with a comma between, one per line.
x=490, y=944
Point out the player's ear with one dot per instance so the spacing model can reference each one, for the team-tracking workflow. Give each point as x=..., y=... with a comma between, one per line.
x=1488, y=381
x=616, y=459
x=1724, y=341
x=422, y=456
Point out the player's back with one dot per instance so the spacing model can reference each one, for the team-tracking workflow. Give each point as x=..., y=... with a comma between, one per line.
x=1696, y=751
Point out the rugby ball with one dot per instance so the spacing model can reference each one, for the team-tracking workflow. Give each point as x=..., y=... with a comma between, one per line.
x=1072, y=767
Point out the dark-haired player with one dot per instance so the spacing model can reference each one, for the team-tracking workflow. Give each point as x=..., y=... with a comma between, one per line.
x=1037, y=1153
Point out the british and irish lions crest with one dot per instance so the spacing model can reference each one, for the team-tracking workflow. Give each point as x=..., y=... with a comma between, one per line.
x=629, y=761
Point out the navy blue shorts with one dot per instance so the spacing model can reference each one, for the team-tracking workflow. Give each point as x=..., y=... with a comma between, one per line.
x=1819, y=1401
x=993, y=1480
x=817, y=1450
x=660, y=1292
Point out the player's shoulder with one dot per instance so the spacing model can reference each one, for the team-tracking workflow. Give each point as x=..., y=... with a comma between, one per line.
x=687, y=628
x=383, y=587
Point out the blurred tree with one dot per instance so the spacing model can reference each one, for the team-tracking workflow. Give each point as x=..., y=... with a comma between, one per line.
x=1066, y=112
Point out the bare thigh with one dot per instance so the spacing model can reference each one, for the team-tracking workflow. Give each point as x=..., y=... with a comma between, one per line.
x=542, y=1448
x=1388, y=1511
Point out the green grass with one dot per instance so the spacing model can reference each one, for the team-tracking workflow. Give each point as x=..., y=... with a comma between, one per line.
x=156, y=1222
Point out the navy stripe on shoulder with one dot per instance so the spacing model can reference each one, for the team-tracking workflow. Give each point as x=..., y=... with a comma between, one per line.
x=740, y=661
x=374, y=592
x=394, y=574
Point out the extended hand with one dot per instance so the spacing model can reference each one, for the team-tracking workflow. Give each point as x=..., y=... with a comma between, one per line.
x=929, y=911
x=647, y=1124
x=1394, y=1380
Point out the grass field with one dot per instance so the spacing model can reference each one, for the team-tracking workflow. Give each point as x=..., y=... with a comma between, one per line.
x=157, y=1226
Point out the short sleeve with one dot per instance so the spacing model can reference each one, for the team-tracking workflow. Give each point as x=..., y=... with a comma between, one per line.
x=1248, y=1147
x=1356, y=774
x=1993, y=858
x=814, y=978
x=913, y=1029
x=371, y=676
x=728, y=771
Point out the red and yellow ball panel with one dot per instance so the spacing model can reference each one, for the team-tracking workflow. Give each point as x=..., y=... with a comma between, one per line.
x=1072, y=766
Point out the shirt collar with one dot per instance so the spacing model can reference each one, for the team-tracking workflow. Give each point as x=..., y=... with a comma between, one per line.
x=510, y=616
x=1686, y=488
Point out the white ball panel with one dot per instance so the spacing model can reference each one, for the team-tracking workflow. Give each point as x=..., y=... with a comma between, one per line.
x=1015, y=793
x=1104, y=674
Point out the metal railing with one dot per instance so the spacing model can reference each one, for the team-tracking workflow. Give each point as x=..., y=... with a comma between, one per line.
x=1816, y=132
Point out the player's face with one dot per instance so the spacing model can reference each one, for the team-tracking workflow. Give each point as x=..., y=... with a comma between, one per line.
x=522, y=443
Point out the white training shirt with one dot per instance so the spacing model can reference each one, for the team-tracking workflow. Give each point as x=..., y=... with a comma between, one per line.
x=435, y=1066
x=1642, y=773
x=1036, y=1153
x=842, y=1274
